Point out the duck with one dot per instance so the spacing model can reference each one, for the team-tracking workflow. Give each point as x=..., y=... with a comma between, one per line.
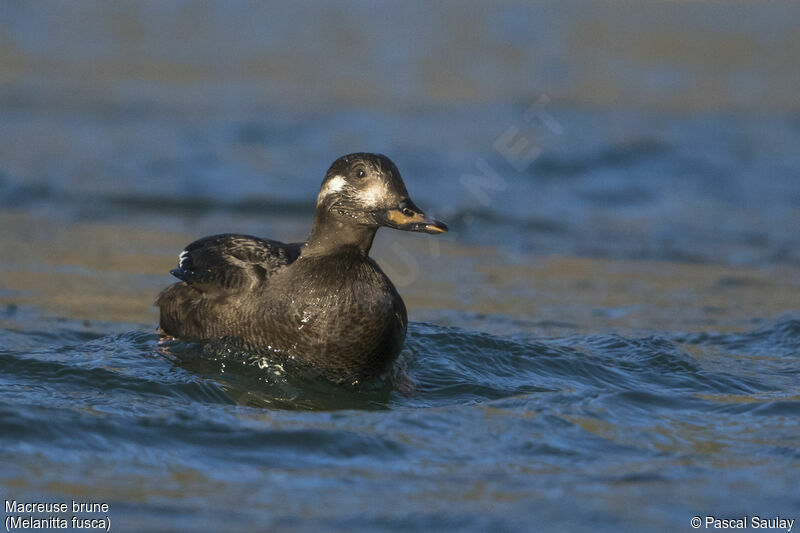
x=325, y=303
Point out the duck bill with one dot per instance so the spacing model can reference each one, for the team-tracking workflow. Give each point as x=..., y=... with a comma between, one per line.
x=409, y=217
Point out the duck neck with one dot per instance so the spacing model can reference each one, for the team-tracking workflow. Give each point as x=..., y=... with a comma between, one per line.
x=331, y=233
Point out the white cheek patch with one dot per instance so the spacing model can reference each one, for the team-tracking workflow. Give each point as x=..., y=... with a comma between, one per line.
x=374, y=195
x=333, y=185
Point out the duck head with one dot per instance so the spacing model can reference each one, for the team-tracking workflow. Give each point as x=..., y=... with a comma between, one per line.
x=367, y=189
x=360, y=193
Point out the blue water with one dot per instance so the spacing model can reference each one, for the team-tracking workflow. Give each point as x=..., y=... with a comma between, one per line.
x=610, y=342
x=495, y=432
x=606, y=340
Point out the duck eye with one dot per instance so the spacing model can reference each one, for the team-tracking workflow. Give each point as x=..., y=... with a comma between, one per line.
x=360, y=173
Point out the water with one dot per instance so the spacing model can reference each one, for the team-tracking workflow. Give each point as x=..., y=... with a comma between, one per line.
x=607, y=339
x=498, y=432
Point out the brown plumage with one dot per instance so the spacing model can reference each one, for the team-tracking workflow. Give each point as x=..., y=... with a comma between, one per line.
x=323, y=303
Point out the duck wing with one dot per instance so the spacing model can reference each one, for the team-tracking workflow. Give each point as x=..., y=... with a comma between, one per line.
x=232, y=262
x=213, y=269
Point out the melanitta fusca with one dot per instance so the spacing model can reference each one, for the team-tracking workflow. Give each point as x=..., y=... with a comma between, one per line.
x=323, y=303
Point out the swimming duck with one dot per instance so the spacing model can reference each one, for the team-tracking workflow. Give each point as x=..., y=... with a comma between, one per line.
x=323, y=303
